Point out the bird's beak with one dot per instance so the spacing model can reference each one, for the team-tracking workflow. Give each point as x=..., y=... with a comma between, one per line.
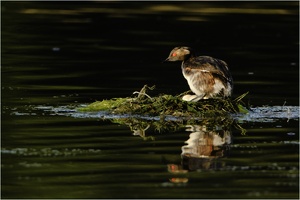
x=165, y=60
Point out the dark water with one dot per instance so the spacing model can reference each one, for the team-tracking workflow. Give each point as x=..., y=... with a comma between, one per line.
x=59, y=56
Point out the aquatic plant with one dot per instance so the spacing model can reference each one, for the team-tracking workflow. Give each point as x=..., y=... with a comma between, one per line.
x=168, y=105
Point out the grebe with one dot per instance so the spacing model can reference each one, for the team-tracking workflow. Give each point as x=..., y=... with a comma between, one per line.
x=207, y=77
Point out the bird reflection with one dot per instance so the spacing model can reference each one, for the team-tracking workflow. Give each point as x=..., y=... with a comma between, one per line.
x=202, y=151
x=204, y=146
x=207, y=144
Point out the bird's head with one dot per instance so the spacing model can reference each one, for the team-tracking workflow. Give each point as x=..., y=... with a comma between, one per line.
x=179, y=54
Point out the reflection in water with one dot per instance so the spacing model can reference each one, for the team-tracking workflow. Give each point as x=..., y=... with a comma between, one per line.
x=208, y=142
x=190, y=153
x=203, y=147
x=202, y=150
x=140, y=132
x=139, y=126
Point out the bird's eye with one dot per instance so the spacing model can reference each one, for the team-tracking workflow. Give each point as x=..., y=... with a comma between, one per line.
x=174, y=54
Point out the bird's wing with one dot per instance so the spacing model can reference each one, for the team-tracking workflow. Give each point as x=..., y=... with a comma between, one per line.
x=212, y=65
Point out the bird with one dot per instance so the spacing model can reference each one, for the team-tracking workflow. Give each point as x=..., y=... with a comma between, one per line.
x=207, y=77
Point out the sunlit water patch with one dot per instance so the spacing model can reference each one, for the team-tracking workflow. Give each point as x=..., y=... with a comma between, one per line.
x=271, y=114
x=255, y=114
x=48, y=152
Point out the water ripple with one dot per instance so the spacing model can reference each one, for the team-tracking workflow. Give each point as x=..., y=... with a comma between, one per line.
x=256, y=114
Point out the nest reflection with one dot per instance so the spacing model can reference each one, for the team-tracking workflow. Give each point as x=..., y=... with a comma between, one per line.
x=208, y=143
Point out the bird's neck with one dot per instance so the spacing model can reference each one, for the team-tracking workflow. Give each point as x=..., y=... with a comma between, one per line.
x=189, y=56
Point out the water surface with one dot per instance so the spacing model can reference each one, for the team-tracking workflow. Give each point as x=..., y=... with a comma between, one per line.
x=59, y=56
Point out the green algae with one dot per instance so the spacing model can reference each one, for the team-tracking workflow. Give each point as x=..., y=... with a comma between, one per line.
x=143, y=104
x=105, y=105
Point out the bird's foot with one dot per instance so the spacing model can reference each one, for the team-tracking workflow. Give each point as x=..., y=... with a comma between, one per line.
x=192, y=98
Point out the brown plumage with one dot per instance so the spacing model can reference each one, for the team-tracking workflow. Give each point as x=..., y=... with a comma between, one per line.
x=207, y=77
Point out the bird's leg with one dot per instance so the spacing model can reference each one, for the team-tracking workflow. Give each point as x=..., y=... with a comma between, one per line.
x=198, y=97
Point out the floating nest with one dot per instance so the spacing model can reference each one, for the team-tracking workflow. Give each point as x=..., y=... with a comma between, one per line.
x=142, y=103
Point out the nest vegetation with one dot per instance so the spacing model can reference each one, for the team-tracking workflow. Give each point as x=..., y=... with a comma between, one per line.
x=142, y=103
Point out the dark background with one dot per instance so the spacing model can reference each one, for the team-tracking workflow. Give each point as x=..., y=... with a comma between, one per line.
x=113, y=48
